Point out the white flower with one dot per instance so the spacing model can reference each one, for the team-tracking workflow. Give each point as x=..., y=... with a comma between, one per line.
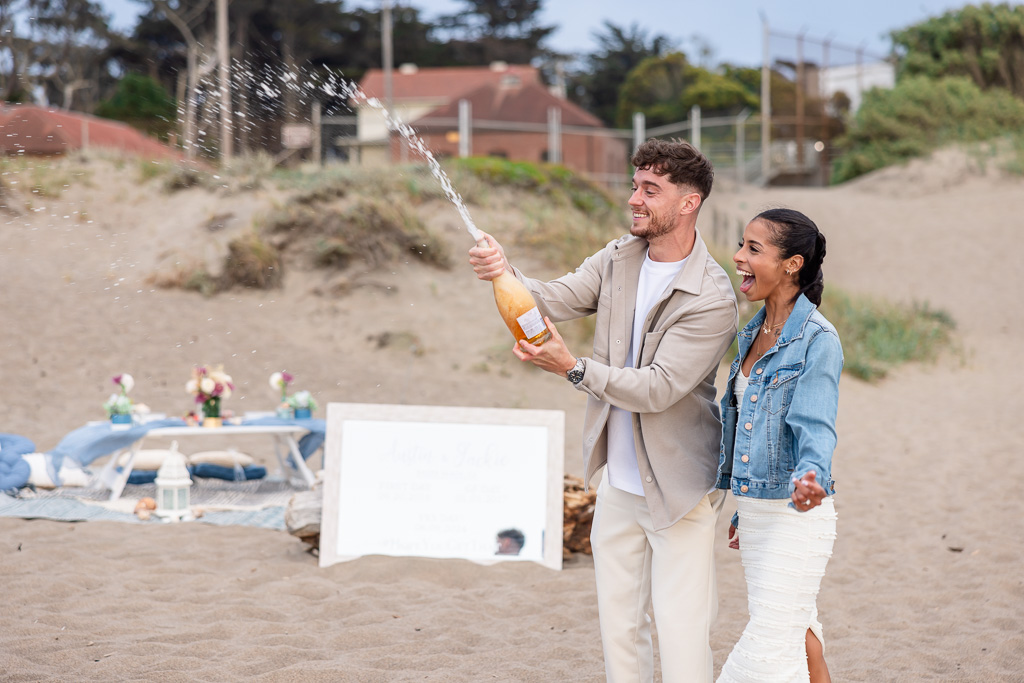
x=118, y=404
x=127, y=382
x=276, y=380
x=191, y=386
x=302, y=399
x=207, y=385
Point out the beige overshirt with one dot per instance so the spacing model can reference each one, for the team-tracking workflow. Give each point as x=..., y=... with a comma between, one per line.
x=676, y=423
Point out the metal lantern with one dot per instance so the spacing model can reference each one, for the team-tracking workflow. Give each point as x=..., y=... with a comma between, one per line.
x=173, y=488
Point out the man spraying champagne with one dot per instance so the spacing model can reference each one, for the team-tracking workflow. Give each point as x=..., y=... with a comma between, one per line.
x=665, y=313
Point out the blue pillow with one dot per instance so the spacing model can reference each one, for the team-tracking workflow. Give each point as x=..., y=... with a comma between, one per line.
x=12, y=443
x=141, y=476
x=205, y=469
x=202, y=470
x=14, y=469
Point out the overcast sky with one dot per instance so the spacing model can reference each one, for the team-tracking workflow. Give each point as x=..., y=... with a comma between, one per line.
x=731, y=27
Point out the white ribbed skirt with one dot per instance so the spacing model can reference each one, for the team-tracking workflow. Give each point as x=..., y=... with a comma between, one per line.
x=784, y=554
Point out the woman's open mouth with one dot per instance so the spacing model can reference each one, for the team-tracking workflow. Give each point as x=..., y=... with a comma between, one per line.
x=748, y=280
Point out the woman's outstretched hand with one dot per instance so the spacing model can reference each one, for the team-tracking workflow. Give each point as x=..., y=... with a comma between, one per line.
x=734, y=538
x=807, y=493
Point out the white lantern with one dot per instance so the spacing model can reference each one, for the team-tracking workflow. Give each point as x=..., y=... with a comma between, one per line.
x=172, y=488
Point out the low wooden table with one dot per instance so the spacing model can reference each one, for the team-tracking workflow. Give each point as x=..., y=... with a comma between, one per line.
x=284, y=443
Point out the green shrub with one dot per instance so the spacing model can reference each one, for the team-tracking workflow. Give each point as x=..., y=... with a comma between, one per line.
x=251, y=262
x=142, y=103
x=918, y=116
x=197, y=280
x=373, y=230
x=876, y=335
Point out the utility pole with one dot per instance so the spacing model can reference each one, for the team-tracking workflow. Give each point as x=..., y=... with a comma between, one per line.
x=800, y=84
x=387, y=62
x=224, y=66
x=766, y=100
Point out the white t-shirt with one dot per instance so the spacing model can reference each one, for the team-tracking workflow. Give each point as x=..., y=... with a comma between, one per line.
x=623, y=472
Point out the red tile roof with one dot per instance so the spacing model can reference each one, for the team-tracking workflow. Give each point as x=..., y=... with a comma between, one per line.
x=443, y=82
x=28, y=129
x=526, y=103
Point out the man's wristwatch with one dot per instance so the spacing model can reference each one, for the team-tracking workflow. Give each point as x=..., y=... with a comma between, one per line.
x=576, y=374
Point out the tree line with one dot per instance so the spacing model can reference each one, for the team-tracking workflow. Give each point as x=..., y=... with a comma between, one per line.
x=63, y=53
x=959, y=74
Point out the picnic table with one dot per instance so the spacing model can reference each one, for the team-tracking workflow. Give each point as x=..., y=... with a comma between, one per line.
x=93, y=441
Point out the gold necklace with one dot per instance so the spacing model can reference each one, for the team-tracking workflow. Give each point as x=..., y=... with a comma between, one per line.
x=770, y=344
x=768, y=330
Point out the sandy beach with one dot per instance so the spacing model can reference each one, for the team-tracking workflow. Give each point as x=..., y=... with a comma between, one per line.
x=925, y=582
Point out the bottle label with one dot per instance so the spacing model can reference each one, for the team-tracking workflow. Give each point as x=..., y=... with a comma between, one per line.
x=531, y=322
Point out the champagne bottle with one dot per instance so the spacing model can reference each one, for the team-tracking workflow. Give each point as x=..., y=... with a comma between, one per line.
x=518, y=308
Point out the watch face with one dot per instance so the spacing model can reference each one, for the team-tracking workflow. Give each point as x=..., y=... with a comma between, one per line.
x=576, y=374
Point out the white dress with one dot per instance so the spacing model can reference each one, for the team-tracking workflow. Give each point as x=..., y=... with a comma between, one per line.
x=784, y=553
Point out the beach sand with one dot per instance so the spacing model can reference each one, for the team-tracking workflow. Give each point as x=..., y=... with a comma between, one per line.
x=925, y=582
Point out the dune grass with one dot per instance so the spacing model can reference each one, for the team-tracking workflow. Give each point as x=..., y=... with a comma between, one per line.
x=879, y=335
x=876, y=335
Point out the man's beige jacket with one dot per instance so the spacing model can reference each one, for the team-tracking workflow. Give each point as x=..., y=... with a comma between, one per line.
x=671, y=393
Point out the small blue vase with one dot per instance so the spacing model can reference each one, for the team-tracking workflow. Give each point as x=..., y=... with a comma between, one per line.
x=303, y=413
x=120, y=421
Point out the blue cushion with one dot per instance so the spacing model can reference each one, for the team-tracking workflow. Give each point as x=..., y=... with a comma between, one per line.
x=205, y=469
x=141, y=476
x=202, y=470
x=12, y=443
x=14, y=469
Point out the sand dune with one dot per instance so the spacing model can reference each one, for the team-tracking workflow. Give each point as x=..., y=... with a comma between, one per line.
x=925, y=583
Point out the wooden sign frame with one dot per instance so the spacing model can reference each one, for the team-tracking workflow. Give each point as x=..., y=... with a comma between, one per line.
x=436, y=481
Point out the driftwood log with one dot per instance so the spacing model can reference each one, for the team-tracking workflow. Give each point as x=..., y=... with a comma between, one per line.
x=302, y=517
x=577, y=516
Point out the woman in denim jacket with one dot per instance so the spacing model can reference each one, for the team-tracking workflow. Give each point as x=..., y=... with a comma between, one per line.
x=779, y=416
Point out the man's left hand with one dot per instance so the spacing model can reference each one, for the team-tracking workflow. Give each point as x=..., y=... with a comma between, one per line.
x=552, y=355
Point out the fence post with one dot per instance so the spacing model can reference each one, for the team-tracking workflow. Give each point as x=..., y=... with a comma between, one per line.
x=465, y=129
x=741, y=139
x=639, y=129
x=766, y=102
x=695, y=125
x=554, y=135
x=317, y=130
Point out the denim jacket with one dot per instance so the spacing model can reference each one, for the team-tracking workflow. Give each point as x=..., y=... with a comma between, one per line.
x=787, y=423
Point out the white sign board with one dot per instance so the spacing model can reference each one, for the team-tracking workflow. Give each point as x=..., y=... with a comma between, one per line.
x=482, y=484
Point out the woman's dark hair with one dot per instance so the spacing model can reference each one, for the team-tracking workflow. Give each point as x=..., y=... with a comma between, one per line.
x=794, y=233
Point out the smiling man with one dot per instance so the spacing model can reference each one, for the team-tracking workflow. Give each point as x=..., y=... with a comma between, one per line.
x=665, y=314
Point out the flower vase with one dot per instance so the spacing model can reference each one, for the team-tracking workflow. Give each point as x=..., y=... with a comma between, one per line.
x=120, y=421
x=303, y=413
x=211, y=412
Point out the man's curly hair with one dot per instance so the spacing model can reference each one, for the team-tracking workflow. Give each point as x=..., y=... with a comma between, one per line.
x=679, y=160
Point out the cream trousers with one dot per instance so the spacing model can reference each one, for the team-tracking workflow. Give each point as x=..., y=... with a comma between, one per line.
x=671, y=571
